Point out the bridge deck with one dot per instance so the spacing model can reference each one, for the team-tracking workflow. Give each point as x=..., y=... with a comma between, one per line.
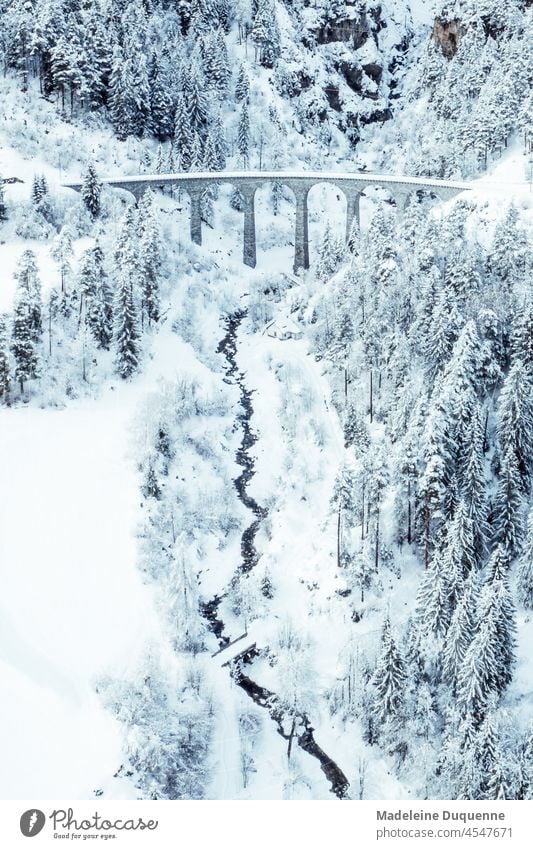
x=360, y=178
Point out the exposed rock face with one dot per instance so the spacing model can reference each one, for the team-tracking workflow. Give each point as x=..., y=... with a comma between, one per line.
x=447, y=35
x=351, y=30
x=332, y=94
x=352, y=73
x=374, y=71
x=379, y=116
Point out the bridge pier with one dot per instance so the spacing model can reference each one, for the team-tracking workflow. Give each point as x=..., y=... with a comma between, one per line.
x=301, y=230
x=402, y=201
x=196, y=215
x=249, y=245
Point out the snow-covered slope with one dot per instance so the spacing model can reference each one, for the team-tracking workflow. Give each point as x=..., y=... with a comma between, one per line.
x=245, y=455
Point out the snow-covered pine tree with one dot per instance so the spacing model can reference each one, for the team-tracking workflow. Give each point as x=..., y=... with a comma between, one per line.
x=515, y=420
x=161, y=101
x=388, y=683
x=488, y=663
x=5, y=366
x=407, y=476
x=27, y=278
x=63, y=251
x=91, y=191
x=217, y=64
x=501, y=600
x=23, y=344
x=95, y=288
x=436, y=480
x=138, y=91
x=433, y=607
x=243, y=135
x=459, y=634
x=196, y=96
x=355, y=430
x=183, y=135
x=118, y=95
x=218, y=142
x=330, y=254
x=508, y=505
x=473, y=480
x=3, y=207
x=150, y=265
x=507, y=257
x=522, y=334
x=87, y=281
x=444, y=329
x=242, y=87
x=126, y=327
x=265, y=33
x=525, y=567
x=236, y=200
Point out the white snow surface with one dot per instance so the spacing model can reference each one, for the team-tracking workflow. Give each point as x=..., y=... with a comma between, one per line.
x=74, y=606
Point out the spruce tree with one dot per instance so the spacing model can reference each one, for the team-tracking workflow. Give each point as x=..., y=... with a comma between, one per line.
x=515, y=419
x=507, y=521
x=389, y=681
x=3, y=208
x=236, y=200
x=183, y=135
x=91, y=190
x=265, y=33
x=161, y=101
x=217, y=66
x=501, y=601
x=433, y=607
x=474, y=484
x=63, y=251
x=522, y=334
x=330, y=254
x=23, y=345
x=27, y=278
x=150, y=266
x=118, y=95
x=525, y=567
x=243, y=135
x=458, y=638
x=126, y=328
x=5, y=366
x=196, y=97
x=135, y=89
x=242, y=87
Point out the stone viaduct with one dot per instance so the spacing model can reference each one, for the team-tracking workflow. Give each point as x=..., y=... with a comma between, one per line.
x=399, y=188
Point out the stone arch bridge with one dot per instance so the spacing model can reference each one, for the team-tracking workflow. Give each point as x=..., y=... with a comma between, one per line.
x=400, y=189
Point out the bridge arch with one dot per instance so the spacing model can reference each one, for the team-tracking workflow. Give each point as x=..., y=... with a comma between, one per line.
x=254, y=226
x=330, y=195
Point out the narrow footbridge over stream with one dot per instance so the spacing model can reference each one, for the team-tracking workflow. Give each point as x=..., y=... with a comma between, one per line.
x=352, y=184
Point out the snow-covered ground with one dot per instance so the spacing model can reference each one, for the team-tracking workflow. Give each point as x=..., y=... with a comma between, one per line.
x=73, y=604
x=75, y=608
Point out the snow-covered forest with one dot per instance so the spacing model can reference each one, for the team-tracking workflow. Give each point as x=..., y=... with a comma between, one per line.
x=266, y=535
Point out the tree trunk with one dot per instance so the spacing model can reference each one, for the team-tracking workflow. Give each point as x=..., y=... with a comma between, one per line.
x=409, y=536
x=291, y=735
x=339, y=537
x=376, y=547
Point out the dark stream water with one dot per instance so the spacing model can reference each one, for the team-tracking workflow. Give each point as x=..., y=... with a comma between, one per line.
x=292, y=726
